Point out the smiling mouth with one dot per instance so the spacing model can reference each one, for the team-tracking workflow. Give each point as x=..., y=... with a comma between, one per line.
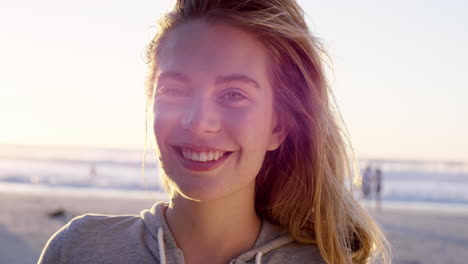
x=201, y=156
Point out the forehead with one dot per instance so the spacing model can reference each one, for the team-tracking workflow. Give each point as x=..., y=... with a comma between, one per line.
x=209, y=50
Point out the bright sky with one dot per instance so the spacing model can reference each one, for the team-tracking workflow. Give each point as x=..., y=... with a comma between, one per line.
x=72, y=72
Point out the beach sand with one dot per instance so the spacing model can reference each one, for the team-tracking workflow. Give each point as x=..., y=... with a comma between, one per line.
x=425, y=236
x=417, y=237
x=25, y=225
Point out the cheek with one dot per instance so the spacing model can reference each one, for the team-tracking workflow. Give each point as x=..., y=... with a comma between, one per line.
x=250, y=128
x=164, y=120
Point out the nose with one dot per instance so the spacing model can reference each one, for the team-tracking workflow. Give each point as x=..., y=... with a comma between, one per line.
x=201, y=116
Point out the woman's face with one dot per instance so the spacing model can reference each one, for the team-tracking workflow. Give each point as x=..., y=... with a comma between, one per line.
x=213, y=110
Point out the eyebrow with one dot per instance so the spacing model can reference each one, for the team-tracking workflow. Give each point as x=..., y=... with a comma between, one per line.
x=172, y=75
x=236, y=78
x=219, y=80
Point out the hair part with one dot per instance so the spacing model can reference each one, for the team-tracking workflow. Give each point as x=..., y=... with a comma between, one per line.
x=302, y=184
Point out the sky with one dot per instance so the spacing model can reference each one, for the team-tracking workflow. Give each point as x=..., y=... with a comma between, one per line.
x=72, y=73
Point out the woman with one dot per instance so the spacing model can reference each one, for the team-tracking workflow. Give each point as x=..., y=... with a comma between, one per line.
x=253, y=157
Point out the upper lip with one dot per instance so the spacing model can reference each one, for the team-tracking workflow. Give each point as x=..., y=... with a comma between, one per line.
x=198, y=148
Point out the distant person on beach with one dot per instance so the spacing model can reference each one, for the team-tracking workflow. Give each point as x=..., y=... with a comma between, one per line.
x=378, y=188
x=366, y=182
x=92, y=172
x=252, y=152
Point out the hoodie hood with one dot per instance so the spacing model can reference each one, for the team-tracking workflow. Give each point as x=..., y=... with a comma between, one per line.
x=162, y=244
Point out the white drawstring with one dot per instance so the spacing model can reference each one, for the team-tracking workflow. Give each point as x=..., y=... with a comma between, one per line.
x=162, y=253
x=258, y=257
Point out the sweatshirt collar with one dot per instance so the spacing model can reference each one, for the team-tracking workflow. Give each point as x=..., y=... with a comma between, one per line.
x=270, y=237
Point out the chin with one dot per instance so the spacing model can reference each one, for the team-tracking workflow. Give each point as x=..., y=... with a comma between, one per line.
x=199, y=193
x=210, y=191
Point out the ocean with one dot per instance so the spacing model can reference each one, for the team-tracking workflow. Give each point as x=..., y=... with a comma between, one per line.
x=100, y=170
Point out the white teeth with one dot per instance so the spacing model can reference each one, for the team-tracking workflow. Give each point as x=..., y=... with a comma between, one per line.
x=210, y=156
x=201, y=156
x=194, y=155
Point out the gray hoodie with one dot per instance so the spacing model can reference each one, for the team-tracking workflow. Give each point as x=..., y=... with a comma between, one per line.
x=147, y=239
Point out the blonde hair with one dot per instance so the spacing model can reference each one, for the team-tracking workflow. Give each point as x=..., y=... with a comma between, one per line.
x=302, y=184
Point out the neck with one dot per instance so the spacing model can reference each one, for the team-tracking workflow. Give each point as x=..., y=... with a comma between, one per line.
x=229, y=225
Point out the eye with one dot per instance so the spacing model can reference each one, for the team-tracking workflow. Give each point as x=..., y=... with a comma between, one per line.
x=233, y=96
x=172, y=91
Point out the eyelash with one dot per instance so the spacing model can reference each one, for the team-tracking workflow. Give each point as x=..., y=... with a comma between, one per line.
x=231, y=96
x=170, y=91
x=239, y=96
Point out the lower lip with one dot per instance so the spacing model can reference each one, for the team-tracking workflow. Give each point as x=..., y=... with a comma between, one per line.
x=201, y=166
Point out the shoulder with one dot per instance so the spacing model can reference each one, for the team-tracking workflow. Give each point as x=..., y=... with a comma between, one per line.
x=96, y=228
x=295, y=252
x=90, y=235
x=93, y=224
x=277, y=246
